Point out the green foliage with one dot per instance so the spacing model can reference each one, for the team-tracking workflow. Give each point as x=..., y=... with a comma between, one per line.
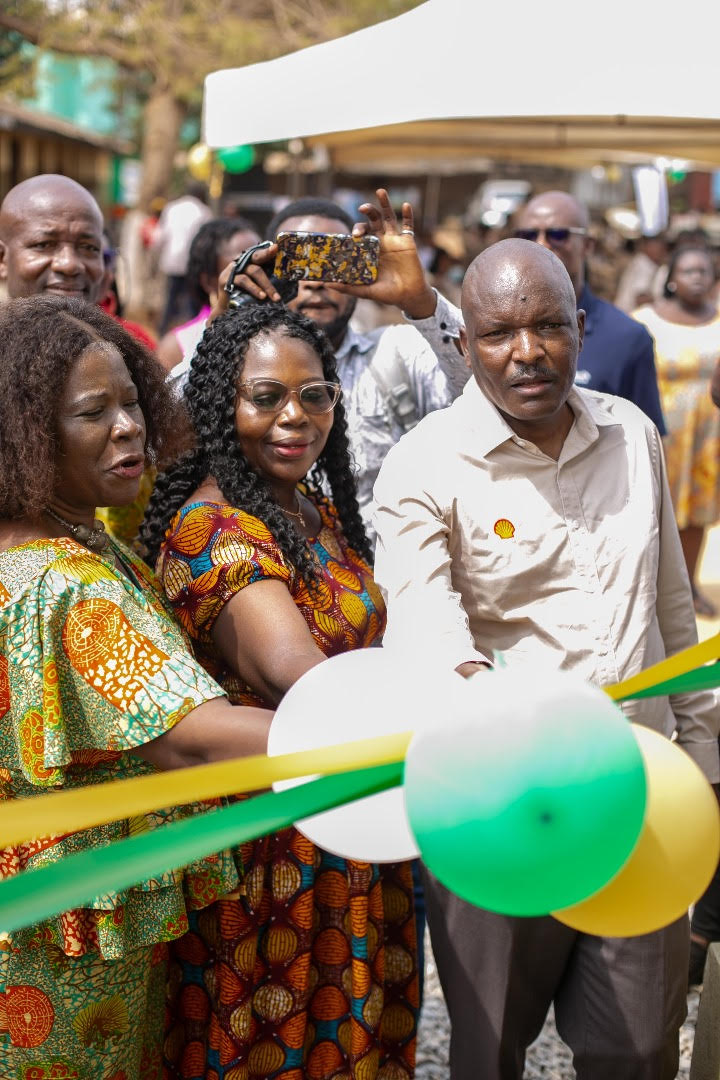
x=173, y=44
x=17, y=64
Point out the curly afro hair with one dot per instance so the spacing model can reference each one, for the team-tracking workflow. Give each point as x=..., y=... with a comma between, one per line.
x=216, y=369
x=41, y=338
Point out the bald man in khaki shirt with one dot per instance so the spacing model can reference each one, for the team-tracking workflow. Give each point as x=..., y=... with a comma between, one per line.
x=534, y=519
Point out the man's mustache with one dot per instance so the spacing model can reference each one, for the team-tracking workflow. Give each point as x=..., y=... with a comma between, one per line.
x=531, y=373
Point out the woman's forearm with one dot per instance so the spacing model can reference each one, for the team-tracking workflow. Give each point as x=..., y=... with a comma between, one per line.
x=214, y=731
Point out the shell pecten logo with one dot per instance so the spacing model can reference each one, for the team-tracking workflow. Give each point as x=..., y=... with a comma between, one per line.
x=504, y=529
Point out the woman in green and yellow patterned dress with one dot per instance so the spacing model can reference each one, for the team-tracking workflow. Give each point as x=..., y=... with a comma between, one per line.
x=96, y=683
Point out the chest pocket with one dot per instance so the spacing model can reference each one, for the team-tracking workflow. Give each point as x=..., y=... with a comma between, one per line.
x=511, y=553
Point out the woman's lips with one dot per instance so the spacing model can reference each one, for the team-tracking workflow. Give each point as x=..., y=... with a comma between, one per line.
x=290, y=450
x=128, y=470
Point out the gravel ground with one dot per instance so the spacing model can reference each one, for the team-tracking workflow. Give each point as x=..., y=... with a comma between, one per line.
x=548, y=1058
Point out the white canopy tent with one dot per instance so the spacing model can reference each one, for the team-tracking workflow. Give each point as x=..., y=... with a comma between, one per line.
x=456, y=80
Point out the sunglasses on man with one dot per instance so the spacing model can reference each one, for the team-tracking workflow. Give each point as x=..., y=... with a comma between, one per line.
x=555, y=237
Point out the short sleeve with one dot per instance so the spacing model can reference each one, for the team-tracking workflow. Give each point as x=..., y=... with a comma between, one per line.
x=211, y=553
x=89, y=664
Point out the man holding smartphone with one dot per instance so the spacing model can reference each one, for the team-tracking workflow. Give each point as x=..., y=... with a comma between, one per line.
x=392, y=376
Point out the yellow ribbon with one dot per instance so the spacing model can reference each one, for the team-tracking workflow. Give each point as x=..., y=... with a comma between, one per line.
x=68, y=811
x=680, y=664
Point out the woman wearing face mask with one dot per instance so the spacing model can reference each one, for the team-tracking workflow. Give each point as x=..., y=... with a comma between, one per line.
x=96, y=683
x=685, y=324
x=310, y=972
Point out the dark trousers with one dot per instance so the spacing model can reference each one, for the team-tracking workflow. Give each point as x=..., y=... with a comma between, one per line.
x=619, y=1002
x=706, y=913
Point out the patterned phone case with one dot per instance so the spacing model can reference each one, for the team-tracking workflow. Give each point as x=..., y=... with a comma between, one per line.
x=327, y=257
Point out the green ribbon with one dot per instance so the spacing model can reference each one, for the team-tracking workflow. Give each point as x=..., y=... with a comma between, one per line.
x=706, y=677
x=35, y=895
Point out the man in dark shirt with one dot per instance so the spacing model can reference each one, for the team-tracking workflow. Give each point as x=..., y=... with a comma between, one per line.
x=617, y=356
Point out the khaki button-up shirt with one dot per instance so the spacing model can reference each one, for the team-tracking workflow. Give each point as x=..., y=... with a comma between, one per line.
x=486, y=544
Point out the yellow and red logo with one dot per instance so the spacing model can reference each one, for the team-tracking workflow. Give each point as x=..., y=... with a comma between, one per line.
x=504, y=529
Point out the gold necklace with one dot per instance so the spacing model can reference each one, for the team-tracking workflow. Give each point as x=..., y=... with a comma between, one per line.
x=95, y=539
x=296, y=513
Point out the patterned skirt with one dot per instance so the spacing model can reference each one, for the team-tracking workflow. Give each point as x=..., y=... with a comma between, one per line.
x=310, y=975
x=81, y=1017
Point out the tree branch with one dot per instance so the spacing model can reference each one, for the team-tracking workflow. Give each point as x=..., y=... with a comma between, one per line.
x=75, y=47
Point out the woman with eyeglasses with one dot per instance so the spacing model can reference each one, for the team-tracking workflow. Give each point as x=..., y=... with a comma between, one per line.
x=685, y=324
x=311, y=971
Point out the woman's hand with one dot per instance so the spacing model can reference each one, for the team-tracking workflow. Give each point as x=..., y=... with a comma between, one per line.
x=253, y=281
x=471, y=667
x=401, y=278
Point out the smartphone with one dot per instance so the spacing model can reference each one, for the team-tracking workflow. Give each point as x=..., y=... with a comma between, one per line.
x=327, y=257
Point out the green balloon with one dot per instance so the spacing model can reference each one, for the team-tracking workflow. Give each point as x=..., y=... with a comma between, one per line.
x=236, y=159
x=533, y=798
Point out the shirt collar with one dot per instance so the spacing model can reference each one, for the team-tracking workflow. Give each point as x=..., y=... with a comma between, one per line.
x=354, y=342
x=486, y=429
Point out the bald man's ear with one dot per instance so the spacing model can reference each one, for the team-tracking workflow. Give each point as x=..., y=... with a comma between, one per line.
x=3, y=261
x=581, y=327
x=464, y=347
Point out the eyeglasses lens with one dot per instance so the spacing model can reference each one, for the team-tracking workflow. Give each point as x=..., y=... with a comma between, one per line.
x=317, y=397
x=269, y=396
x=555, y=237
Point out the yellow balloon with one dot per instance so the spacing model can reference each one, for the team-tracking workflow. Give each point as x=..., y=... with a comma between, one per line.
x=199, y=162
x=675, y=856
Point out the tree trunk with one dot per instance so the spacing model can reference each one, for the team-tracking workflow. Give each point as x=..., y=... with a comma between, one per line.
x=162, y=118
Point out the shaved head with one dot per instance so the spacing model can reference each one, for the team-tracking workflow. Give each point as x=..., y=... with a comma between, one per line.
x=559, y=222
x=513, y=266
x=51, y=240
x=522, y=337
x=42, y=193
x=558, y=202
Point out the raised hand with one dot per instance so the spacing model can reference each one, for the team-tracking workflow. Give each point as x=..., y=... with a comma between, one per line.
x=401, y=278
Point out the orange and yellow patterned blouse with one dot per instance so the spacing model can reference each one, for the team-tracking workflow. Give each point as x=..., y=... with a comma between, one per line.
x=213, y=550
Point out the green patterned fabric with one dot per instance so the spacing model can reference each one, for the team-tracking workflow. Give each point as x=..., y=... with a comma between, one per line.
x=92, y=664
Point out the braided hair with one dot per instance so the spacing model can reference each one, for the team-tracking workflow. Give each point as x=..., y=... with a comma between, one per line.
x=216, y=368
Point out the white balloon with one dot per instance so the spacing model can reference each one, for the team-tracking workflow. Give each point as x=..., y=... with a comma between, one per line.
x=359, y=695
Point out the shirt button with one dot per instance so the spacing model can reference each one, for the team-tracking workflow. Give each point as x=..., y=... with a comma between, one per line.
x=446, y=338
x=443, y=326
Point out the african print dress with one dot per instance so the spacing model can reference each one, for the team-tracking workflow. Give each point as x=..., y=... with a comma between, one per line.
x=685, y=358
x=92, y=665
x=310, y=972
